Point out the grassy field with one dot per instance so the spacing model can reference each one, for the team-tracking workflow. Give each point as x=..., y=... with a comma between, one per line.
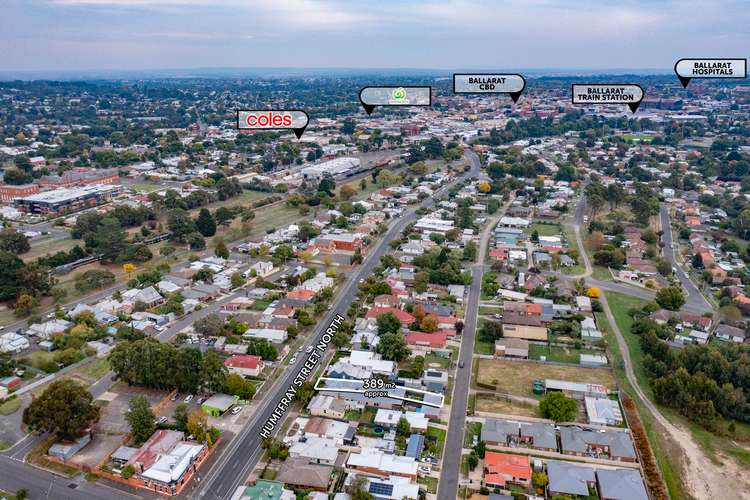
x=621, y=304
x=735, y=444
x=638, y=138
x=558, y=354
x=543, y=229
x=472, y=429
x=483, y=347
x=572, y=243
x=430, y=483
x=516, y=377
x=502, y=406
x=666, y=451
x=95, y=370
x=10, y=406
x=439, y=436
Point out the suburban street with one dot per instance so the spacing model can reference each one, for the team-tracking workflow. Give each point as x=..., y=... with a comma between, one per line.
x=694, y=299
x=242, y=454
x=450, y=468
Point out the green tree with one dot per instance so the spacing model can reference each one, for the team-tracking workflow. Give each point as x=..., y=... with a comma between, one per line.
x=211, y=325
x=393, y=347
x=14, y=242
x=670, y=297
x=111, y=240
x=197, y=425
x=236, y=385
x=180, y=225
x=140, y=418
x=205, y=223
x=213, y=371
x=402, y=427
x=180, y=416
x=65, y=409
x=558, y=407
x=388, y=323
x=221, y=249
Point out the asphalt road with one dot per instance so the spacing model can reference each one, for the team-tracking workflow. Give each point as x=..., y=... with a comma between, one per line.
x=694, y=300
x=240, y=457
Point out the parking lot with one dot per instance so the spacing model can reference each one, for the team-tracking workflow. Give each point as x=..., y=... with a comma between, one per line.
x=112, y=427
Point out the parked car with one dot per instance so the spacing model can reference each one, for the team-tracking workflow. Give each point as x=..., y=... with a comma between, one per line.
x=188, y=398
x=160, y=420
x=236, y=410
x=424, y=469
x=309, y=348
x=175, y=396
x=293, y=360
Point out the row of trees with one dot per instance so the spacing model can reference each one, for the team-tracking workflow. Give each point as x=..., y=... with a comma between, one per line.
x=699, y=381
x=150, y=363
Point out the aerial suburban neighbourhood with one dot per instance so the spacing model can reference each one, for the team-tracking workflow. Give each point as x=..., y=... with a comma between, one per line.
x=375, y=284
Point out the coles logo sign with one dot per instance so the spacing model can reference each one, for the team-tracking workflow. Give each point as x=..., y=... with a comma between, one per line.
x=292, y=119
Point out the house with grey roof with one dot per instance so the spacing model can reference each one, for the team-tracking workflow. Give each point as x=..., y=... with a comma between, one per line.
x=535, y=435
x=567, y=478
x=611, y=444
x=621, y=484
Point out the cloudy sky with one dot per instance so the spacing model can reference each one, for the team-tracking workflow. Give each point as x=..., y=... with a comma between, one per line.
x=445, y=34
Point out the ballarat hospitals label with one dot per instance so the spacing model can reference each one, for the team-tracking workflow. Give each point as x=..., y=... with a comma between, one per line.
x=488, y=83
x=608, y=93
x=687, y=69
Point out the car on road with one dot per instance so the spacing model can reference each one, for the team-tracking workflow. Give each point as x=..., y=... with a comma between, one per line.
x=674, y=270
x=236, y=410
x=175, y=396
x=188, y=398
x=361, y=280
x=309, y=348
x=460, y=364
x=300, y=348
x=293, y=360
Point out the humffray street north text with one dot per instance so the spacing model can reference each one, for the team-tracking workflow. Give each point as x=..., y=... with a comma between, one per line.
x=301, y=377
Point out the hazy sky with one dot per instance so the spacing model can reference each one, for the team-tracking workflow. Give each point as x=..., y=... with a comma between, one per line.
x=163, y=34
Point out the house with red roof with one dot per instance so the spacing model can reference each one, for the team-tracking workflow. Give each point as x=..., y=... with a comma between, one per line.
x=502, y=468
x=403, y=316
x=245, y=365
x=385, y=301
x=302, y=294
x=447, y=322
x=435, y=340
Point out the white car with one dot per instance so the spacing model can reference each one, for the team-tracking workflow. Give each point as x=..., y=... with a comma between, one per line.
x=188, y=398
x=309, y=348
x=236, y=410
x=424, y=469
x=293, y=360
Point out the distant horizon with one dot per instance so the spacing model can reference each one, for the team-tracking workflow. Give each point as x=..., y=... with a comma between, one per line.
x=292, y=72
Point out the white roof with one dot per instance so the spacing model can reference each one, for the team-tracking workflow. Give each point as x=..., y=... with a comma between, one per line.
x=371, y=457
x=316, y=448
x=417, y=421
x=170, y=467
x=367, y=359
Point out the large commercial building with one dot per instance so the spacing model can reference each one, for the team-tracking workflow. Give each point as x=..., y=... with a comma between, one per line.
x=64, y=200
x=9, y=192
x=80, y=177
x=338, y=166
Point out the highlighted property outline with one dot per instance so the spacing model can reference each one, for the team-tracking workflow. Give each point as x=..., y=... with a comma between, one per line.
x=362, y=391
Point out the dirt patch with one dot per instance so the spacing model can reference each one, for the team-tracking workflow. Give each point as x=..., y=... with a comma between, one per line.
x=516, y=377
x=503, y=406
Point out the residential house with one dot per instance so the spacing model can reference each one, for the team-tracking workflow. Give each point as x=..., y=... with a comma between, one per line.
x=501, y=469
x=245, y=365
